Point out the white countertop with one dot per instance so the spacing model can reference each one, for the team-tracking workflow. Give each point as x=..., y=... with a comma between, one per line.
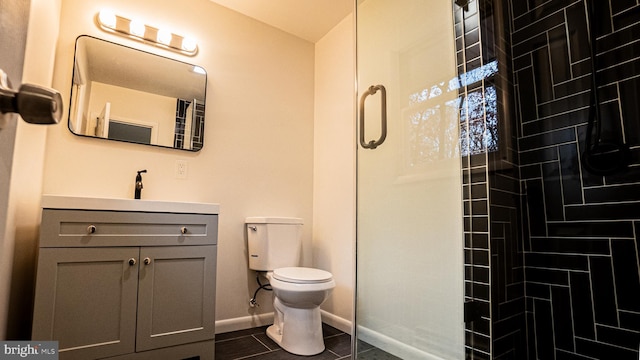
x=111, y=204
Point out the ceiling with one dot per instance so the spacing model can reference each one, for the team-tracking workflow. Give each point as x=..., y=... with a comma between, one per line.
x=307, y=19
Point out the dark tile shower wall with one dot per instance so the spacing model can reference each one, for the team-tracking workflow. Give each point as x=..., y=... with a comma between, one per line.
x=198, y=127
x=181, y=116
x=494, y=268
x=508, y=326
x=494, y=274
x=475, y=194
x=581, y=230
x=197, y=130
x=551, y=250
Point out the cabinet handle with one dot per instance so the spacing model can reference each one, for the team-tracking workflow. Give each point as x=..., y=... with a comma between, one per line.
x=132, y=261
x=91, y=229
x=147, y=261
x=183, y=230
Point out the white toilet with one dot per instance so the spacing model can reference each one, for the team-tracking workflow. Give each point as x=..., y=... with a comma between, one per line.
x=274, y=247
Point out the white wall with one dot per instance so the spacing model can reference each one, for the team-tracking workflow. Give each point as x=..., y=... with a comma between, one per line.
x=23, y=216
x=334, y=167
x=258, y=152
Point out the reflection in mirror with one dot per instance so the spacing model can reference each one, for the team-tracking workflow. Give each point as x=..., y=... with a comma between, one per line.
x=124, y=94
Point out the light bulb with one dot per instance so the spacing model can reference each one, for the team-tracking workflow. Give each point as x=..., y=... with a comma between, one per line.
x=164, y=37
x=137, y=28
x=107, y=18
x=189, y=44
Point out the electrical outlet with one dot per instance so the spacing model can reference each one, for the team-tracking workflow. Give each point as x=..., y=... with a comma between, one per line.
x=181, y=169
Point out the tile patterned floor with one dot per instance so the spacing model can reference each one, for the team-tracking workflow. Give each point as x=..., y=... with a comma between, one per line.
x=255, y=344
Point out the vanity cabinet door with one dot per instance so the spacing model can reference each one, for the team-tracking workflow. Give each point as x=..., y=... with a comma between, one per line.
x=176, y=296
x=86, y=300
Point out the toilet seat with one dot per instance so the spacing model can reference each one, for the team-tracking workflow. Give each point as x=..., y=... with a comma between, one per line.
x=302, y=275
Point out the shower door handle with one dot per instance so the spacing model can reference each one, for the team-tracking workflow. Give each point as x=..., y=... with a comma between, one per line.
x=383, y=117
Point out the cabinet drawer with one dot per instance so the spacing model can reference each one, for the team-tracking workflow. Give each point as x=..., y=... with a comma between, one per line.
x=81, y=228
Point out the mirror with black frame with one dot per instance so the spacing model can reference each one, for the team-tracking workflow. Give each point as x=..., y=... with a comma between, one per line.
x=124, y=94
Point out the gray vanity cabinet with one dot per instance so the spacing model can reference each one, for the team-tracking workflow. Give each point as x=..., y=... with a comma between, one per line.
x=174, y=296
x=86, y=300
x=126, y=285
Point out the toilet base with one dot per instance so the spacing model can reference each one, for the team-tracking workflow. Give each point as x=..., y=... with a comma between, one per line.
x=298, y=331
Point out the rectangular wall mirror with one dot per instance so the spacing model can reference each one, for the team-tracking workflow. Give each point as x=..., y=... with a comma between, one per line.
x=124, y=94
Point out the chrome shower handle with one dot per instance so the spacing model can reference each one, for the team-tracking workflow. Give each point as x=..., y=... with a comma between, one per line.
x=383, y=117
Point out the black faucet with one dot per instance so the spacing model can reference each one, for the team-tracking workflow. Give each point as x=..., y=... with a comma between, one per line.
x=139, y=184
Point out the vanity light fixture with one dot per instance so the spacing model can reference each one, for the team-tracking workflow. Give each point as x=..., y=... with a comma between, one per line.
x=134, y=29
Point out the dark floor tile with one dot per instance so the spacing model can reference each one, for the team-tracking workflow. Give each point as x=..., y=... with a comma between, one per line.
x=255, y=344
x=376, y=354
x=283, y=355
x=338, y=344
x=240, y=333
x=362, y=346
x=266, y=340
x=328, y=330
x=238, y=348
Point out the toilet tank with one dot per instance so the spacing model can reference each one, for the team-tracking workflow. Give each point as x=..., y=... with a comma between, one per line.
x=273, y=242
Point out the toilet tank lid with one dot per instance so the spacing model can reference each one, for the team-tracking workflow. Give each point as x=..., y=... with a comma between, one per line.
x=272, y=220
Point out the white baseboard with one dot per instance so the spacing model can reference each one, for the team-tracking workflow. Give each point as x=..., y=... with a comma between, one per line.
x=245, y=322
x=393, y=346
x=336, y=321
x=252, y=321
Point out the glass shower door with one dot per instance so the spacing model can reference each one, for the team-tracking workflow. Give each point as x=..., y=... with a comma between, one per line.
x=409, y=287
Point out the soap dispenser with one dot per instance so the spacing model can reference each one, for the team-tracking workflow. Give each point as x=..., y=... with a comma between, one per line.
x=139, y=186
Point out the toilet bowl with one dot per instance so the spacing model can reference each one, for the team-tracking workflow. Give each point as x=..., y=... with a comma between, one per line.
x=298, y=293
x=274, y=245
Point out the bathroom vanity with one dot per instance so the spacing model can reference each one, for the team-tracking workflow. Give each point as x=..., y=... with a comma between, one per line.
x=126, y=279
